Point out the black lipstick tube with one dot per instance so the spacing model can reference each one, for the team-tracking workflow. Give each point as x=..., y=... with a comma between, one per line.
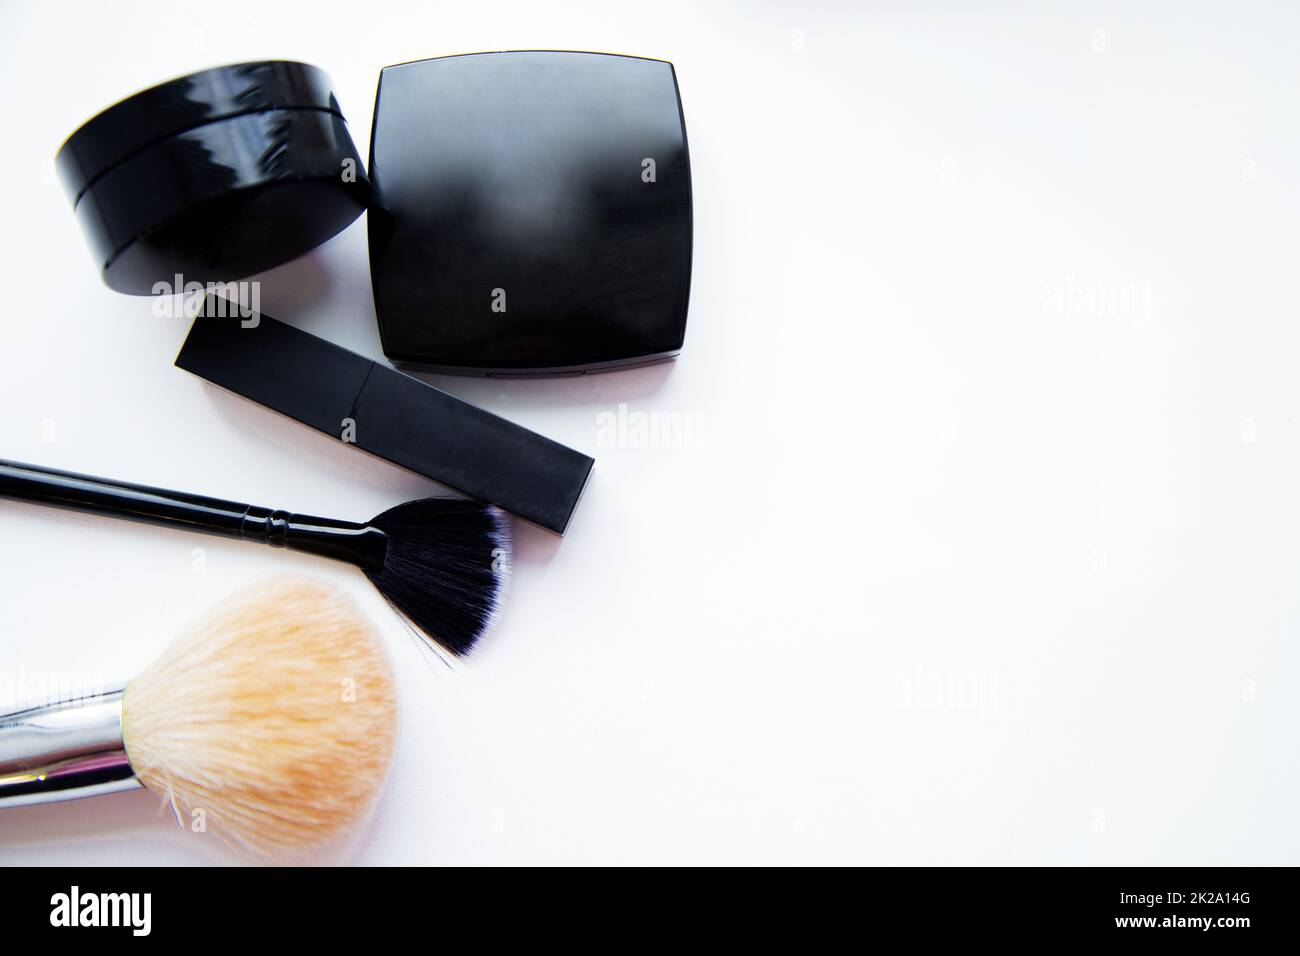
x=387, y=413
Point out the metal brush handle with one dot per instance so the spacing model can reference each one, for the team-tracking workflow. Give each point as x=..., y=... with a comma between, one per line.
x=357, y=544
x=60, y=751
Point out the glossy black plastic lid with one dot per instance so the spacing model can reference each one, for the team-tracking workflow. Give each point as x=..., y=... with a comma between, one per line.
x=183, y=103
x=531, y=212
x=223, y=200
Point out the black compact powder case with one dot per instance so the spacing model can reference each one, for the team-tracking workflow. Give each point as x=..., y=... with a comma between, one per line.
x=214, y=176
x=530, y=213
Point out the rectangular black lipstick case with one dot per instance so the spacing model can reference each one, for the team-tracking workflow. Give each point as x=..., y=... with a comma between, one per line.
x=389, y=414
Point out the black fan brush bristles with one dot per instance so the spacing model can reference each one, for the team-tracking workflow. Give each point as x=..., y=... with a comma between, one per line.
x=447, y=567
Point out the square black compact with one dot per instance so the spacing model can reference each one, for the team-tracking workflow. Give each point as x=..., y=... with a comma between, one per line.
x=530, y=213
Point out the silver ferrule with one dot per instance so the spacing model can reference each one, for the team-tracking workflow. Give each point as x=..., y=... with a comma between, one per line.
x=60, y=751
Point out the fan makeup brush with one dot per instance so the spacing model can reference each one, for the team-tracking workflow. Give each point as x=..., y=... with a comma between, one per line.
x=275, y=717
x=442, y=562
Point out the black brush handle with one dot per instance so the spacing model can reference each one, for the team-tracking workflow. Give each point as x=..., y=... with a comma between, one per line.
x=358, y=544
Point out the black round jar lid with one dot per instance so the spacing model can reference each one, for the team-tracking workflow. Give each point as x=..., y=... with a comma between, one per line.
x=142, y=120
x=224, y=200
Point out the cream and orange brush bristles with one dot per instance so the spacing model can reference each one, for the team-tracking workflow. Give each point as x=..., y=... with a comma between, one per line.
x=271, y=724
x=276, y=718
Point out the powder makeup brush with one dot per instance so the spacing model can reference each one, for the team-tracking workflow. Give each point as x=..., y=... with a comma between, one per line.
x=275, y=719
x=442, y=562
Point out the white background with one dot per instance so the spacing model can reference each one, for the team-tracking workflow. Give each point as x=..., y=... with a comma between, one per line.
x=987, y=545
